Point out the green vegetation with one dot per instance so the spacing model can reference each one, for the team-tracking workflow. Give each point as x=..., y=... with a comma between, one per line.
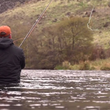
x=68, y=39
x=99, y=64
x=61, y=39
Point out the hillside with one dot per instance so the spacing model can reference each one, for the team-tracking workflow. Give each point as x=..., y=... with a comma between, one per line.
x=29, y=12
x=22, y=17
x=7, y=4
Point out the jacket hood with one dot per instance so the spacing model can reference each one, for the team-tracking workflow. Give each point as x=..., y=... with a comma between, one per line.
x=5, y=43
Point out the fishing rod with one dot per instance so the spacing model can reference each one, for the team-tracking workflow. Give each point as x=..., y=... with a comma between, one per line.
x=90, y=20
x=34, y=25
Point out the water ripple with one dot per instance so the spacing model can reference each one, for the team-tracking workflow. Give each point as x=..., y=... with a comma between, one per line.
x=58, y=90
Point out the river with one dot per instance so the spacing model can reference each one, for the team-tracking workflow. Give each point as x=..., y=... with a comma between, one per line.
x=58, y=90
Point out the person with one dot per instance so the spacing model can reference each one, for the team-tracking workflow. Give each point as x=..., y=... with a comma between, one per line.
x=12, y=59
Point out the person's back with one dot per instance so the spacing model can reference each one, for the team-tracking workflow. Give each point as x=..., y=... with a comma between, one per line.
x=11, y=58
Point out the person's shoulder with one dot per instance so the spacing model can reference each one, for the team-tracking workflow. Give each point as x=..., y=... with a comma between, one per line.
x=17, y=48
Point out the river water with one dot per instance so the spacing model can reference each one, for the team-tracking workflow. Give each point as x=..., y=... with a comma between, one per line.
x=58, y=90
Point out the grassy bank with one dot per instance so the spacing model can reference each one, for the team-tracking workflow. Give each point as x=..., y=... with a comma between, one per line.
x=99, y=64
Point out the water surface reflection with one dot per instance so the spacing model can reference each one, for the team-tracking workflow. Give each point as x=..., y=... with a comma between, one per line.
x=58, y=90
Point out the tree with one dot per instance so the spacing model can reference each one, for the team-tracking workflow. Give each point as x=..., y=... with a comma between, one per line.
x=72, y=38
x=68, y=40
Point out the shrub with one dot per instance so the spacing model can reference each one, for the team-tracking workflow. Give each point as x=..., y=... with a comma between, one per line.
x=105, y=66
x=68, y=40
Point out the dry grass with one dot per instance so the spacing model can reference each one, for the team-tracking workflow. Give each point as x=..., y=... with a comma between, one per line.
x=92, y=65
x=20, y=19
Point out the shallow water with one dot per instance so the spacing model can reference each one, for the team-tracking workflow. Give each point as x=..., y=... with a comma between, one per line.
x=58, y=90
